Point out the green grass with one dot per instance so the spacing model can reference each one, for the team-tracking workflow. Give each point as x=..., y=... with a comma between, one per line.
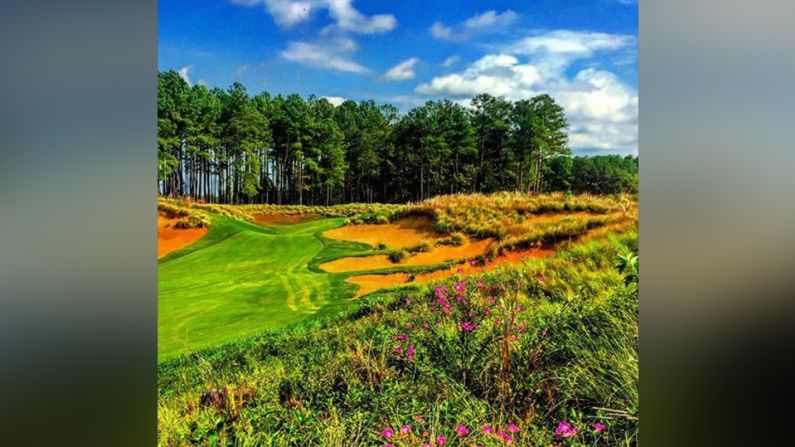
x=242, y=279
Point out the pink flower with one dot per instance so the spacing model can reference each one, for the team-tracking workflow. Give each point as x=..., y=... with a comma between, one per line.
x=387, y=433
x=480, y=283
x=405, y=428
x=460, y=271
x=408, y=301
x=388, y=445
x=399, y=337
x=410, y=353
x=399, y=350
x=441, y=440
x=505, y=437
x=513, y=428
x=597, y=427
x=460, y=430
x=542, y=278
x=467, y=326
x=487, y=430
x=473, y=262
x=492, y=300
x=426, y=444
x=459, y=286
x=566, y=430
x=419, y=418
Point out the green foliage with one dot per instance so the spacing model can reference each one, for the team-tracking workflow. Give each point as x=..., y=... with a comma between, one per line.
x=419, y=248
x=227, y=146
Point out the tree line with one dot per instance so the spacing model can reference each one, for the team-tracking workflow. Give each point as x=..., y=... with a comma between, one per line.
x=226, y=146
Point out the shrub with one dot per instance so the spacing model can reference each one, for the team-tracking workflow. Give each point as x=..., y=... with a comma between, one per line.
x=381, y=246
x=397, y=256
x=419, y=248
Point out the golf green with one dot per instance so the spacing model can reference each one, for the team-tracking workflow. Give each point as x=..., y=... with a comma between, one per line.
x=242, y=279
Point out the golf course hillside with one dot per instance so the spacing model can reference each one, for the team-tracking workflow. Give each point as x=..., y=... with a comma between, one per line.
x=230, y=272
x=492, y=320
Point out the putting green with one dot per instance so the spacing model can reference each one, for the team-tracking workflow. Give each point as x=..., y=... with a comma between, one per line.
x=241, y=279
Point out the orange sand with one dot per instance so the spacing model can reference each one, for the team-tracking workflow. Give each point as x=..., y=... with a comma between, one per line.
x=401, y=234
x=370, y=283
x=436, y=255
x=170, y=238
x=284, y=219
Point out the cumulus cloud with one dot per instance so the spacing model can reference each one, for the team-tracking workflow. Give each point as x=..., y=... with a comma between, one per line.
x=184, y=73
x=450, y=61
x=402, y=71
x=602, y=109
x=331, y=54
x=288, y=13
x=489, y=21
x=336, y=100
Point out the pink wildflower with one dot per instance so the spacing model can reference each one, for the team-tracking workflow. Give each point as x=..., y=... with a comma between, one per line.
x=460, y=270
x=388, y=445
x=387, y=433
x=473, y=262
x=426, y=444
x=481, y=283
x=505, y=437
x=597, y=427
x=566, y=430
x=467, y=326
x=399, y=350
x=459, y=286
x=410, y=353
x=542, y=279
x=461, y=430
x=419, y=418
x=399, y=337
x=513, y=428
x=405, y=428
x=441, y=440
x=487, y=430
x=492, y=300
x=408, y=301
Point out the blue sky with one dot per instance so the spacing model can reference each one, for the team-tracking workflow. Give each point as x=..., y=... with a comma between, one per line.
x=405, y=52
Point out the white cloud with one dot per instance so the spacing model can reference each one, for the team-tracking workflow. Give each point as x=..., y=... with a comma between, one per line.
x=184, y=73
x=288, y=13
x=602, y=110
x=336, y=100
x=488, y=22
x=402, y=71
x=332, y=54
x=450, y=61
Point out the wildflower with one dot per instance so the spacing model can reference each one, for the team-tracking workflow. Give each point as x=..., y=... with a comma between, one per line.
x=521, y=328
x=408, y=301
x=387, y=433
x=461, y=430
x=473, y=262
x=388, y=445
x=460, y=270
x=487, y=430
x=513, y=428
x=419, y=418
x=505, y=437
x=491, y=300
x=399, y=350
x=467, y=326
x=441, y=440
x=459, y=286
x=399, y=337
x=405, y=428
x=426, y=325
x=566, y=430
x=426, y=444
x=597, y=427
x=542, y=279
x=410, y=354
x=408, y=325
x=480, y=283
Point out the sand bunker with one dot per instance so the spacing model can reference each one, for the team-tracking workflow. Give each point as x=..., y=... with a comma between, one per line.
x=370, y=283
x=401, y=234
x=436, y=255
x=285, y=219
x=170, y=238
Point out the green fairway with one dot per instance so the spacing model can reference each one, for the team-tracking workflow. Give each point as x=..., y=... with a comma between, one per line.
x=242, y=279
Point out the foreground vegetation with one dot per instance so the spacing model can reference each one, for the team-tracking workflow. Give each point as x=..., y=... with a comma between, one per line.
x=538, y=353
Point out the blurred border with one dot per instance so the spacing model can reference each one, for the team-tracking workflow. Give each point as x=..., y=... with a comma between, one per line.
x=78, y=307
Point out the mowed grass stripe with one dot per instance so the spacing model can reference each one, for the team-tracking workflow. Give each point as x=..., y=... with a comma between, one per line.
x=241, y=280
